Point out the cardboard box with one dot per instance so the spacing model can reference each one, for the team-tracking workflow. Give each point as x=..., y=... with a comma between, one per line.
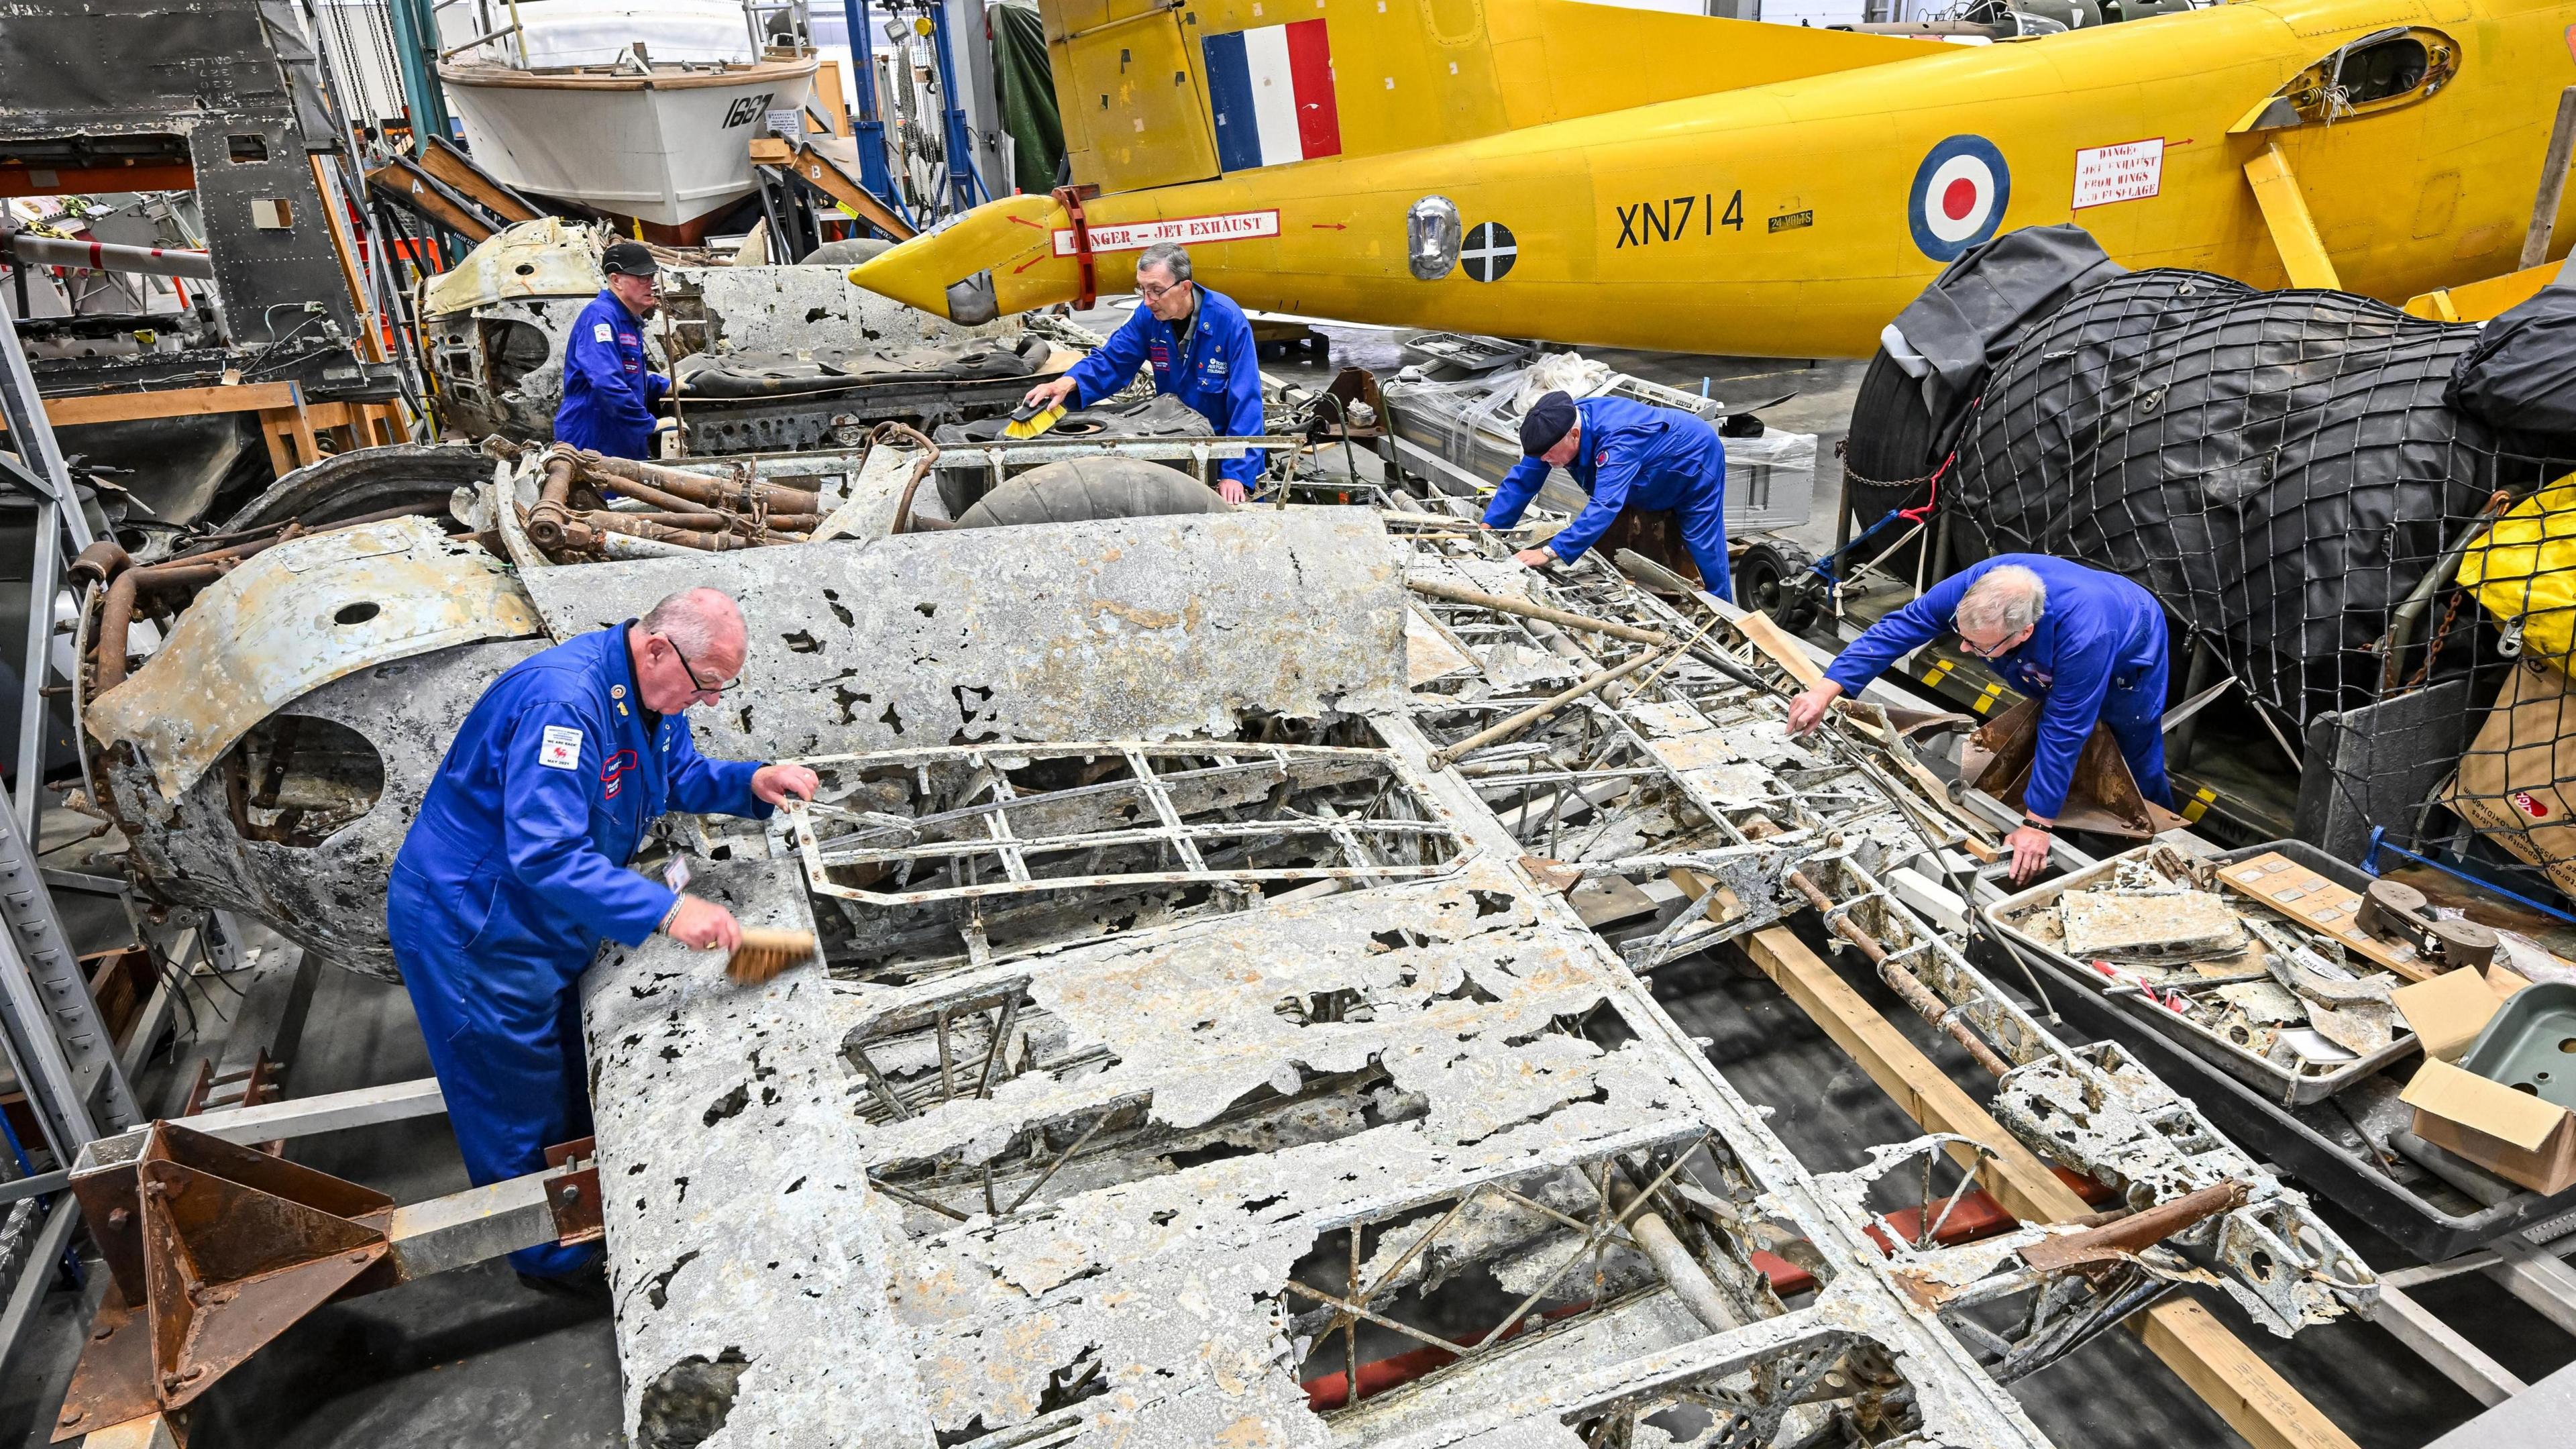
x=2449, y=1011
x=2512, y=1134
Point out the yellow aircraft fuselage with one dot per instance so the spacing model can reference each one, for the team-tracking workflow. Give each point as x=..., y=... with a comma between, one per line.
x=1788, y=217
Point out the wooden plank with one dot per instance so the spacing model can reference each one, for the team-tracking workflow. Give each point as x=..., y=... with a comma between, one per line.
x=1784, y=649
x=2244, y=1390
x=176, y=402
x=2322, y=906
x=821, y=171
x=2017, y=1178
x=335, y=220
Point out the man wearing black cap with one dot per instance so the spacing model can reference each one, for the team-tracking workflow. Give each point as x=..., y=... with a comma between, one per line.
x=1625, y=455
x=608, y=393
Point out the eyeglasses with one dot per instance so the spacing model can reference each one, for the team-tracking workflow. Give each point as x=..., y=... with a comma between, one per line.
x=718, y=690
x=1156, y=294
x=2001, y=646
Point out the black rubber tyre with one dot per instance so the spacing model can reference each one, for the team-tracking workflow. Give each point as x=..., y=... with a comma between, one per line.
x=845, y=253
x=1079, y=490
x=1890, y=442
x=1767, y=581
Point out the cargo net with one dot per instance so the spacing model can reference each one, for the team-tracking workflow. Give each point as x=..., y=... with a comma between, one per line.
x=2281, y=470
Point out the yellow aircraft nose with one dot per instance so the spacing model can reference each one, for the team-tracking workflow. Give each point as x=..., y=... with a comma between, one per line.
x=1000, y=257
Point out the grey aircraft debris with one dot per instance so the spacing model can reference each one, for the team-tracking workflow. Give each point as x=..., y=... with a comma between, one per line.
x=1209, y=1045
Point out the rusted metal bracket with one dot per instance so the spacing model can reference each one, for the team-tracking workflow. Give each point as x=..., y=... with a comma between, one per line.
x=216, y=1249
x=572, y=1191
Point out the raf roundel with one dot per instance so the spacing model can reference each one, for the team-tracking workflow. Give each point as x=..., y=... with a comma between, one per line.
x=1959, y=196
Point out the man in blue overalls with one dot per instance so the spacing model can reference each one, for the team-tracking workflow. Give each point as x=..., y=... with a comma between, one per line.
x=1201, y=349
x=516, y=867
x=608, y=393
x=2089, y=645
x=1625, y=455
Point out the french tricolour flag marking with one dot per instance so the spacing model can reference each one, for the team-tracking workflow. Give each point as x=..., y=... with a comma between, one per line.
x=1272, y=90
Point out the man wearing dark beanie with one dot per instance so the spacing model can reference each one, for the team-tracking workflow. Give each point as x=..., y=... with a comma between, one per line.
x=1624, y=455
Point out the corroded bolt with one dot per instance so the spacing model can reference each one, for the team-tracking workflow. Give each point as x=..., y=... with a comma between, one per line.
x=572, y=1192
x=359, y=1256
x=72, y=1414
x=118, y=1217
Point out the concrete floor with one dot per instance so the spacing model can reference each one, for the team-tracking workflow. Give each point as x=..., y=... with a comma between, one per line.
x=475, y=1358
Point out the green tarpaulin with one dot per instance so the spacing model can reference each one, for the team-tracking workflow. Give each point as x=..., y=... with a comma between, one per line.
x=1026, y=85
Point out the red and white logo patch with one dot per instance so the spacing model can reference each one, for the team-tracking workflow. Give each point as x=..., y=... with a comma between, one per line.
x=1959, y=196
x=2523, y=801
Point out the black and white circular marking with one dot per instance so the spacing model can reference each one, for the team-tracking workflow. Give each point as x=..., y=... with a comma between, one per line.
x=1489, y=252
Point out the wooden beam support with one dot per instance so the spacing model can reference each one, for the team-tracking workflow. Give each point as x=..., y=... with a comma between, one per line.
x=18, y=179
x=2253, y=1398
x=176, y=402
x=818, y=169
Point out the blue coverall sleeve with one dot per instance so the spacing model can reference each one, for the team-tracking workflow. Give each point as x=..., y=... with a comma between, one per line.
x=1242, y=404
x=1611, y=480
x=656, y=388
x=598, y=364
x=2066, y=721
x=1113, y=363
x=545, y=832
x=702, y=786
x=1899, y=634
x=1512, y=497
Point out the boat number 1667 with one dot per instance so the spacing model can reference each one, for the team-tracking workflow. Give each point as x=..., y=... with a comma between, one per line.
x=747, y=110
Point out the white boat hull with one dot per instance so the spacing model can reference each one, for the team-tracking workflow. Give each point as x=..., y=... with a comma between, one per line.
x=667, y=149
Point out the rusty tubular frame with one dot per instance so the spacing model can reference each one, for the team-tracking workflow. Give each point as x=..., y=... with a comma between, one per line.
x=1441, y=757
x=885, y=435
x=549, y=520
x=745, y=495
x=1916, y=995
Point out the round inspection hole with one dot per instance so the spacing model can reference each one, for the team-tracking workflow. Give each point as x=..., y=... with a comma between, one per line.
x=2261, y=1263
x=526, y=269
x=2540, y=1076
x=2567, y=1044
x=2526, y=1087
x=357, y=613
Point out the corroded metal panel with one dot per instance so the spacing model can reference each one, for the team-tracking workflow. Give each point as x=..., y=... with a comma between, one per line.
x=829, y=1182
x=329, y=896
x=298, y=616
x=1138, y=629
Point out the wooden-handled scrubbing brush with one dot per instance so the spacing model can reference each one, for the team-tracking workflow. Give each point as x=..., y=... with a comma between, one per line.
x=763, y=954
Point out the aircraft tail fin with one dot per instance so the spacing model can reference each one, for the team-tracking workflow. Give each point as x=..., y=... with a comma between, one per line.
x=1158, y=92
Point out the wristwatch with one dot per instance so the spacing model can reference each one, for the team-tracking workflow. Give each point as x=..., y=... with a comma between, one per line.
x=2042, y=826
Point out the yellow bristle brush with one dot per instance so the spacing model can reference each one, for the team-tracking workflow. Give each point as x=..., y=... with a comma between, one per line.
x=763, y=954
x=1031, y=419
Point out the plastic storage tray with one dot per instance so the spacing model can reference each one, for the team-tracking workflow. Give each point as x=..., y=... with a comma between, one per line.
x=2531, y=1044
x=2271, y=1131
x=2256, y=1072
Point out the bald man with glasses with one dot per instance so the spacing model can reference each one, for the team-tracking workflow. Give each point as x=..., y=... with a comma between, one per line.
x=516, y=868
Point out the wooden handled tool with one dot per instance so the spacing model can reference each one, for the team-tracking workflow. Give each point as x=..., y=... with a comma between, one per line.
x=763, y=954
